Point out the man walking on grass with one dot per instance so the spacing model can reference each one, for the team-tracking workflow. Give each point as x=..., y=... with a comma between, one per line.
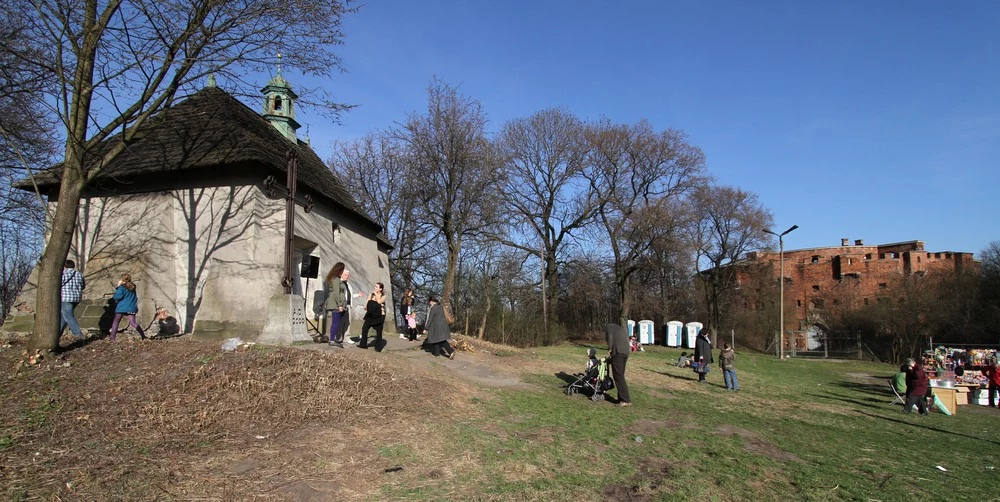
x=618, y=349
x=71, y=294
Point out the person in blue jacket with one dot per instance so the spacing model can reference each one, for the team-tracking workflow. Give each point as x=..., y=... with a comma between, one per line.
x=127, y=304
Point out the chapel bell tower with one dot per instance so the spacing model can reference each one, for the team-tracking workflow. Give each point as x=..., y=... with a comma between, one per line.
x=279, y=105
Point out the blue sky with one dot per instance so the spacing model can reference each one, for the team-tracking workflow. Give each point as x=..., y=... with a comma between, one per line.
x=867, y=120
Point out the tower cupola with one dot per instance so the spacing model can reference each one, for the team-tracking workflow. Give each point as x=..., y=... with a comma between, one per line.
x=279, y=105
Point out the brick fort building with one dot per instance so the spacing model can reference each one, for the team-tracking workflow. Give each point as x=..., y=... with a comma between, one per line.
x=850, y=273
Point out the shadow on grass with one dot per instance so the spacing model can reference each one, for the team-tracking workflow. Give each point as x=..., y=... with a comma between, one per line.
x=927, y=427
x=566, y=377
x=872, y=388
x=693, y=378
x=835, y=397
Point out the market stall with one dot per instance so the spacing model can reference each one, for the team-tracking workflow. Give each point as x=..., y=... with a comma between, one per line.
x=957, y=374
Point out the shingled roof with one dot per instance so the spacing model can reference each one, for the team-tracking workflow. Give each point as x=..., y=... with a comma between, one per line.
x=213, y=131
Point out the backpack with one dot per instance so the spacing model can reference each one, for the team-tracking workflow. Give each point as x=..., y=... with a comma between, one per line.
x=168, y=326
x=373, y=309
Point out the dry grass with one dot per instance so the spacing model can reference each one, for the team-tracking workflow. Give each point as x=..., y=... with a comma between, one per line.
x=136, y=420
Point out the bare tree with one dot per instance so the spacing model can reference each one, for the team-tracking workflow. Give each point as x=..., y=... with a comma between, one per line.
x=26, y=144
x=118, y=62
x=665, y=269
x=457, y=162
x=730, y=223
x=988, y=301
x=547, y=196
x=636, y=172
x=385, y=182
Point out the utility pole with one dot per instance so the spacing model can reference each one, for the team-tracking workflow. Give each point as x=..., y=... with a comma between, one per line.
x=781, y=289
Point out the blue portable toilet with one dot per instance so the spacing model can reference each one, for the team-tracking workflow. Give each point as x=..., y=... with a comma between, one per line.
x=647, y=334
x=674, y=329
x=630, y=327
x=693, y=328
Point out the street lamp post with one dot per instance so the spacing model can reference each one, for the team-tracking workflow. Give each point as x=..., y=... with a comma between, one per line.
x=781, y=288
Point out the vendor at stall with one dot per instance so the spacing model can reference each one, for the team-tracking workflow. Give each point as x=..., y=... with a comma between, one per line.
x=916, y=387
x=993, y=380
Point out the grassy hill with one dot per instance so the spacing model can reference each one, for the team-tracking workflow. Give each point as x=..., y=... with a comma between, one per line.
x=180, y=420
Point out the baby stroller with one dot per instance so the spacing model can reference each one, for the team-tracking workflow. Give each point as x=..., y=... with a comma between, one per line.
x=596, y=380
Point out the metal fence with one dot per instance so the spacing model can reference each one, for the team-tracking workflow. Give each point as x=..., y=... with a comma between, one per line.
x=823, y=344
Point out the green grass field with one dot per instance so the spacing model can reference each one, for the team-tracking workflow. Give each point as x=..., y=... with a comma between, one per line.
x=797, y=430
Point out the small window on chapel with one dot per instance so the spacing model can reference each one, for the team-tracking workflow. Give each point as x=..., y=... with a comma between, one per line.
x=277, y=103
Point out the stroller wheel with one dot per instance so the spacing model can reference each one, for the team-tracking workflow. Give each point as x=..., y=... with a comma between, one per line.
x=569, y=391
x=597, y=397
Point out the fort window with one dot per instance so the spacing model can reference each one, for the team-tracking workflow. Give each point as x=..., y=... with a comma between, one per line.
x=866, y=301
x=815, y=258
x=849, y=261
x=868, y=256
x=798, y=303
x=937, y=255
x=836, y=301
x=882, y=285
x=815, y=287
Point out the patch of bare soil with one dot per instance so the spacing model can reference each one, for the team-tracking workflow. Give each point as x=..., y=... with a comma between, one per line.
x=179, y=419
x=648, y=484
x=754, y=443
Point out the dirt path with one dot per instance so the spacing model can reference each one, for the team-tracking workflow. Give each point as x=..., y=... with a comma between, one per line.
x=481, y=365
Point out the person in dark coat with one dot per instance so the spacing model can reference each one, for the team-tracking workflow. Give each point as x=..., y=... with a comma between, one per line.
x=618, y=350
x=374, y=318
x=916, y=387
x=703, y=353
x=336, y=304
x=437, y=330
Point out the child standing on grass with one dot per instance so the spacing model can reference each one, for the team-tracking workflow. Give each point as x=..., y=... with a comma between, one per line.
x=727, y=359
x=127, y=305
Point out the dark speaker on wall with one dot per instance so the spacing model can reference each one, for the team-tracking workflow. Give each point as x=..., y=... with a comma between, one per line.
x=310, y=267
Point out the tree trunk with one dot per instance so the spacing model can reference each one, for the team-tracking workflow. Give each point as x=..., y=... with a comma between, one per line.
x=47, y=305
x=46, y=334
x=454, y=249
x=482, y=324
x=623, y=301
x=552, y=279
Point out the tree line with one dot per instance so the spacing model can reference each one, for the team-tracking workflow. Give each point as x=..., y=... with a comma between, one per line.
x=551, y=226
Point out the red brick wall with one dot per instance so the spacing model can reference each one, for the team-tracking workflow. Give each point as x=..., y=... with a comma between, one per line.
x=852, y=273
